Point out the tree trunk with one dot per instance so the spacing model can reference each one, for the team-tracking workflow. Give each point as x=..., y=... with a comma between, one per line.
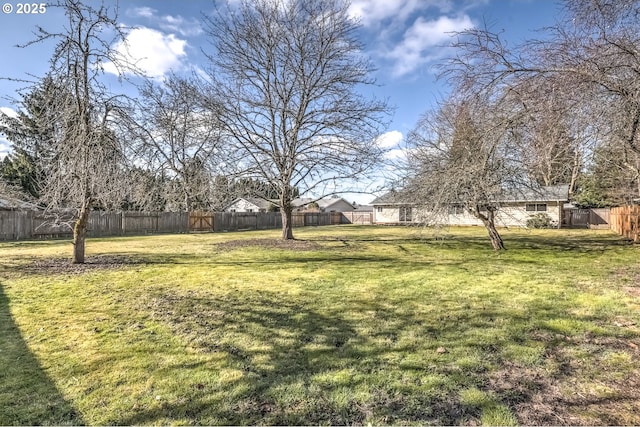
x=496, y=239
x=79, y=235
x=489, y=223
x=287, y=222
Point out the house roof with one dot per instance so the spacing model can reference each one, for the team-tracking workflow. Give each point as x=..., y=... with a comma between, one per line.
x=260, y=203
x=10, y=204
x=364, y=208
x=301, y=201
x=322, y=203
x=550, y=193
x=393, y=197
x=326, y=203
x=256, y=201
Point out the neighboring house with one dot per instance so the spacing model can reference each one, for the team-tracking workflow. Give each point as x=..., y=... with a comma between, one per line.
x=333, y=204
x=393, y=208
x=250, y=204
x=363, y=208
x=514, y=209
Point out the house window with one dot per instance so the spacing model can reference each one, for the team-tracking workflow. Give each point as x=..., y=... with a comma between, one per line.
x=406, y=214
x=249, y=210
x=536, y=207
x=232, y=210
x=380, y=209
x=456, y=210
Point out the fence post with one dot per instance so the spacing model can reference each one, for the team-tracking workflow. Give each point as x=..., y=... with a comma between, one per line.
x=30, y=225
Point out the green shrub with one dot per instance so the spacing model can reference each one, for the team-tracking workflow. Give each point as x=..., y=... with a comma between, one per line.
x=540, y=220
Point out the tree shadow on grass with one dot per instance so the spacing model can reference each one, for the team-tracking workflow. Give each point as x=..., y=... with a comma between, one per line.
x=294, y=361
x=575, y=382
x=292, y=364
x=27, y=395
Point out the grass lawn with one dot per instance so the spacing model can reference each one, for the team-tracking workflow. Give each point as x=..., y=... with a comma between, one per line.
x=347, y=325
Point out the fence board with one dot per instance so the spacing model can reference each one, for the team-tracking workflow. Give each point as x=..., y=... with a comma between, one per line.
x=625, y=220
x=173, y=222
x=587, y=218
x=599, y=218
x=104, y=224
x=15, y=225
x=361, y=218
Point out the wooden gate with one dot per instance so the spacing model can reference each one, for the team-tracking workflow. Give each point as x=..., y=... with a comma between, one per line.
x=357, y=217
x=200, y=221
x=586, y=218
x=579, y=218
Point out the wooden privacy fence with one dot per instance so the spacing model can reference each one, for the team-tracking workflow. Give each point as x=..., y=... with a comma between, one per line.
x=235, y=221
x=362, y=218
x=625, y=220
x=20, y=225
x=587, y=218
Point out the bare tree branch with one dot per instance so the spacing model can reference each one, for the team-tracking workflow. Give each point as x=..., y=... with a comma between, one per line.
x=285, y=82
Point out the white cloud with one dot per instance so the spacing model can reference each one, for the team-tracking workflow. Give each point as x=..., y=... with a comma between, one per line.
x=396, y=154
x=371, y=12
x=151, y=51
x=144, y=12
x=173, y=24
x=407, y=32
x=390, y=139
x=9, y=111
x=186, y=27
x=423, y=41
x=5, y=145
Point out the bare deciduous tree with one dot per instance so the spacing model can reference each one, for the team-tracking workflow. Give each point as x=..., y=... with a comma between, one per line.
x=86, y=159
x=285, y=81
x=552, y=130
x=178, y=139
x=462, y=156
x=591, y=57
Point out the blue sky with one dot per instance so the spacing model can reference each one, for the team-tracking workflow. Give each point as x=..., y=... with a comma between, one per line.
x=404, y=38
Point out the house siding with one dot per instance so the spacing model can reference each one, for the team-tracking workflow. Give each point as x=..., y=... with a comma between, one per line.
x=391, y=214
x=509, y=215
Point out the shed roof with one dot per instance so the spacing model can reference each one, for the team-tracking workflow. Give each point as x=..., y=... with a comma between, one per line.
x=10, y=204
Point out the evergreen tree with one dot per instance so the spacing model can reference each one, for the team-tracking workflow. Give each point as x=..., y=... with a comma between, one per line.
x=30, y=133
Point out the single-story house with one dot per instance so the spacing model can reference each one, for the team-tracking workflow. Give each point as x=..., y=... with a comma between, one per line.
x=515, y=208
x=250, y=204
x=332, y=204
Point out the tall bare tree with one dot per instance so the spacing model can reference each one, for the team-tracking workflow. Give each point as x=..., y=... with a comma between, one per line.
x=463, y=156
x=285, y=78
x=592, y=58
x=177, y=138
x=553, y=129
x=600, y=48
x=85, y=159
